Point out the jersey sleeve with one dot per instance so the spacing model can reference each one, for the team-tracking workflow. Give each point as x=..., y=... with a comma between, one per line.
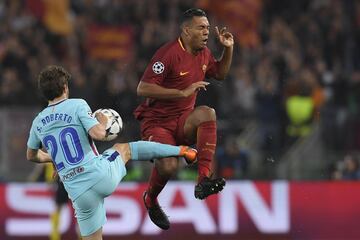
x=212, y=68
x=33, y=141
x=85, y=115
x=158, y=68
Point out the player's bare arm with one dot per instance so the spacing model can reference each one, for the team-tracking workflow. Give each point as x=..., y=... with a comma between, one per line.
x=98, y=132
x=152, y=90
x=227, y=40
x=38, y=156
x=194, y=88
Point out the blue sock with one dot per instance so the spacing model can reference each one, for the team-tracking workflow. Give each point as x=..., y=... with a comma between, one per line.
x=145, y=150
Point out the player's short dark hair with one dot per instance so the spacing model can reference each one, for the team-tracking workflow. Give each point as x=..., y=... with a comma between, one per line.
x=52, y=81
x=190, y=13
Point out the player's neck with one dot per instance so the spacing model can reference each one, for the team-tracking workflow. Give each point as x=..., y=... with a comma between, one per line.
x=186, y=46
x=57, y=100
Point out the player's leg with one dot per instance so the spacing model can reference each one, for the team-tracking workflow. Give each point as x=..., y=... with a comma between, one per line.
x=200, y=126
x=118, y=171
x=61, y=198
x=145, y=151
x=55, y=220
x=90, y=211
x=95, y=236
x=121, y=153
x=162, y=171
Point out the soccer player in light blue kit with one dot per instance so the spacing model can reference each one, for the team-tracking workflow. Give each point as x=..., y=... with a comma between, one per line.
x=66, y=129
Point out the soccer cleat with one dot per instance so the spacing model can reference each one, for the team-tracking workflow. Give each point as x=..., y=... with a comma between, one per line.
x=189, y=154
x=157, y=215
x=208, y=187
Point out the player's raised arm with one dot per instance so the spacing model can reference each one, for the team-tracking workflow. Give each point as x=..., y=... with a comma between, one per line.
x=227, y=40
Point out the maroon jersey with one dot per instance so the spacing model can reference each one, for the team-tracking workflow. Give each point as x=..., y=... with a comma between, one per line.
x=173, y=67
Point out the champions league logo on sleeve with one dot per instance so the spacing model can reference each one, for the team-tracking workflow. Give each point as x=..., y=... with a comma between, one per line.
x=158, y=67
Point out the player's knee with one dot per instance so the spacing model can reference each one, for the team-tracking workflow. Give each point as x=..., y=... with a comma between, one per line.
x=124, y=150
x=167, y=166
x=206, y=113
x=94, y=236
x=121, y=147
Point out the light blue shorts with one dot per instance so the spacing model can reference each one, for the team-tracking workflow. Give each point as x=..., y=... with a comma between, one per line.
x=89, y=206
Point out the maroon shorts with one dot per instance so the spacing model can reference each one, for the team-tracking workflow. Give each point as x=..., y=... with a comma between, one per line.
x=169, y=131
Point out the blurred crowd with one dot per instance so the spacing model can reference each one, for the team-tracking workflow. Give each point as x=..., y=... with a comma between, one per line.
x=304, y=70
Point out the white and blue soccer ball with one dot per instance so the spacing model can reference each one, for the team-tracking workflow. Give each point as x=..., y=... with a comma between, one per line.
x=114, y=125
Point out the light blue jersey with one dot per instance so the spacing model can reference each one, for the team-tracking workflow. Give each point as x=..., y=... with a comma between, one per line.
x=88, y=177
x=62, y=128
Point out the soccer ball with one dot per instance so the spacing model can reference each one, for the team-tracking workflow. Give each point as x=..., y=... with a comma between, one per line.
x=114, y=125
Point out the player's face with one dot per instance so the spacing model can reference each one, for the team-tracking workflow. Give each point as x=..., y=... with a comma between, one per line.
x=199, y=33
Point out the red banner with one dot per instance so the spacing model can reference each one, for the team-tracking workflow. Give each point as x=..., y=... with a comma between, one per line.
x=244, y=210
x=110, y=43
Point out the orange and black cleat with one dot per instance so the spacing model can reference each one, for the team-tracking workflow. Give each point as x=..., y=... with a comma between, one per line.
x=190, y=154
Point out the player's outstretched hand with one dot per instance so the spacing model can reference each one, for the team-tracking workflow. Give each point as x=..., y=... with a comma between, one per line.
x=197, y=86
x=225, y=37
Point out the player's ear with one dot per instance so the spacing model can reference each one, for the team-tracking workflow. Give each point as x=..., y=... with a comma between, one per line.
x=66, y=89
x=185, y=28
x=186, y=31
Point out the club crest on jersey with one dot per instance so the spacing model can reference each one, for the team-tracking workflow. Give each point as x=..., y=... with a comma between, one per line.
x=204, y=67
x=158, y=67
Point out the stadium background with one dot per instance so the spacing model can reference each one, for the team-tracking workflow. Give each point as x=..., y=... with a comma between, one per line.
x=289, y=109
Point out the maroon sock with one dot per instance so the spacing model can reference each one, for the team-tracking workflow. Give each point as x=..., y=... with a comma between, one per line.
x=156, y=185
x=206, y=145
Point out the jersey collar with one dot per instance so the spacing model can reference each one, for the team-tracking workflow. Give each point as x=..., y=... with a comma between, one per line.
x=62, y=100
x=181, y=45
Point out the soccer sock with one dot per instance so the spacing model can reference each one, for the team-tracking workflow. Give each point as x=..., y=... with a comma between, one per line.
x=156, y=185
x=206, y=144
x=144, y=150
x=55, y=234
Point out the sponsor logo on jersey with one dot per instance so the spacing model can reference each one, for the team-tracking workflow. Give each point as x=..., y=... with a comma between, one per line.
x=183, y=73
x=70, y=175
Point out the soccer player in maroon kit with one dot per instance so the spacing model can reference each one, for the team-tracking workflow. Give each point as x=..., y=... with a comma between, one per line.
x=170, y=84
